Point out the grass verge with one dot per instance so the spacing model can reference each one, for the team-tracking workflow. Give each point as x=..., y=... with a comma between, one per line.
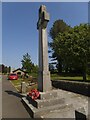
x=18, y=82
x=77, y=78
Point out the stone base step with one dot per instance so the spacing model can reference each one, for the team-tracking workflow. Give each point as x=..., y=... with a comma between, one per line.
x=39, y=112
x=39, y=103
x=65, y=112
x=48, y=95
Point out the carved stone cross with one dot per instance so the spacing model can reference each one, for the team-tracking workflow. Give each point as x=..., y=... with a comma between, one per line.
x=44, y=82
x=43, y=17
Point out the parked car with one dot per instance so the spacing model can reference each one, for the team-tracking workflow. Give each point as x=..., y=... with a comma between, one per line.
x=13, y=76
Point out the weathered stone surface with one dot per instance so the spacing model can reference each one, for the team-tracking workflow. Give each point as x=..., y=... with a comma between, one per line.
x=37, y=113
x=45, y=103
x=48, y=95
x=44, y=82
x=66, y=110
x=73, y=86
x=23, y=87
x=43, y=17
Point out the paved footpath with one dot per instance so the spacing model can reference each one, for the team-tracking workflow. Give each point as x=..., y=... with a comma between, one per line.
x=12, y=106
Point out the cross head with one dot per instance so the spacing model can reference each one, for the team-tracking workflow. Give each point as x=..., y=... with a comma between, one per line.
x=43, y=17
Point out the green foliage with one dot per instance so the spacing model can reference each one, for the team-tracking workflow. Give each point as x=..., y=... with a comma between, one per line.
x=59, y=26
x=72, y=47
x=51, y=68
x=4, y=69
x=35, y=69
x=9, y=69
x=27, y=63
x=88, y=69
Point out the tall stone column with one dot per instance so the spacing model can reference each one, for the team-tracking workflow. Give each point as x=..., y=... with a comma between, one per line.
x=44, y=82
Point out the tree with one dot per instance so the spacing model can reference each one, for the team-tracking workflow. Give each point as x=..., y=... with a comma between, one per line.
x=73, y=48
x=9, y=69
x=0, y=68
x=3, y=67
x=59, y=26
x=35, y=69
x=27, y=63
x=51, y=67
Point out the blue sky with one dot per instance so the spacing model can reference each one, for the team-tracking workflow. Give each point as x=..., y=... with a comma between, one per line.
x=19, y=30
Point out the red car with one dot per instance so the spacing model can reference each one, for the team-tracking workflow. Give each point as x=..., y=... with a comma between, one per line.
x=13, y=76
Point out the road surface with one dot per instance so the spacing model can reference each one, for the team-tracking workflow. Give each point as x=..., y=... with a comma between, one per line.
x=12, y=106
x=0, y=96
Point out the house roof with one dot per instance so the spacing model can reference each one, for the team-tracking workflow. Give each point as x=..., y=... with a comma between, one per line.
x=19, y=69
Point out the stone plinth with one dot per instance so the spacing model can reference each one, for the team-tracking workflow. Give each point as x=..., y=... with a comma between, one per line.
x=48, y=101
x=45, y=103
x=37, y=113
x=48, y=95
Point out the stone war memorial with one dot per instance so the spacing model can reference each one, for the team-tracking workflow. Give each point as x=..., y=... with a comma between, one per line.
x=52, y=103
x=44, y=82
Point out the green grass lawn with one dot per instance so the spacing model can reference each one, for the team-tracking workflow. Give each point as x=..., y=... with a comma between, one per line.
x=0, y=77
x=58, y=77
x=53, y=77
x=77, y=78
x=17, y=83
x=88, y=77
x=66, y=78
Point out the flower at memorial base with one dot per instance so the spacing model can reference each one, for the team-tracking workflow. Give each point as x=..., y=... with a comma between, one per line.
x=34, y=94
